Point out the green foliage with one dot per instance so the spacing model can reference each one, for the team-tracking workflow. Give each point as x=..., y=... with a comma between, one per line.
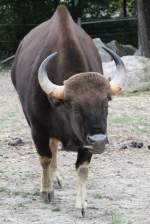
x=19, y=17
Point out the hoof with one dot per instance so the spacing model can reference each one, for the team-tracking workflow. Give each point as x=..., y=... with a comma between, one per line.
x=83, y=212
x=81, y=206
x=47, y=197
x=59, y=182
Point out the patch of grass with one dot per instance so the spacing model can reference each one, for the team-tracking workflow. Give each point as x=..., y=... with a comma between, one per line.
x=36, y=193
x=21, y=193
x=138, y=124
x=4, y=189
x=125, y=119
x=8, y=119
x=56, y=209
x=98, y=196
x=143, y=130
x=138, y=93
x=116, y=219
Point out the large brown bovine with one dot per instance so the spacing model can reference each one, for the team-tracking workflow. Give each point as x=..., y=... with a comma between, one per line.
x=65, y=97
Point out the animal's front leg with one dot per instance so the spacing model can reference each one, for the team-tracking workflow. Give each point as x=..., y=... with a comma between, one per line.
x=82, y=166
x=41, y=140
x=47, y=191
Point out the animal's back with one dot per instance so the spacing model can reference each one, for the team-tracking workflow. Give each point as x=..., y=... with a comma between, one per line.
x=76, y=53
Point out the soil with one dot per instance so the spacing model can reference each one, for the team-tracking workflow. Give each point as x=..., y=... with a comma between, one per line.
x=119, y=179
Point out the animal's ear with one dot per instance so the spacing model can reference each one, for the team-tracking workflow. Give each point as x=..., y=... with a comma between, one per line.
x=55, y=101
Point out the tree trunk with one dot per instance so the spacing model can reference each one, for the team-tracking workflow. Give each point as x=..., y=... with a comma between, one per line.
x=143, y=7
x=125, y=8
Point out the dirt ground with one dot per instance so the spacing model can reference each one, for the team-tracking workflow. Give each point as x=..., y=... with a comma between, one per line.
x=119, y=179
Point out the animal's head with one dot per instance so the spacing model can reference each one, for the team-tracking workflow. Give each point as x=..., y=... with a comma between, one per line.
x=87, y=95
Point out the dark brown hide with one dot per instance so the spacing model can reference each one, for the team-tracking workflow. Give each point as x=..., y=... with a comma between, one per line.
x=79, y=120
x=87, y=84
x=76, y=54
x=76, y=51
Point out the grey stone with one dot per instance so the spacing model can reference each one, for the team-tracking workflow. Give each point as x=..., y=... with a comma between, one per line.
x=121, y=49
x=104, y=55
x=118, y=48
x=15, y=141
x=138, y=75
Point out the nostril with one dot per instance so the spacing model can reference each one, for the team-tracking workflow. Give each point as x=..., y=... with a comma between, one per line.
x=98, y=139
x=90, y=140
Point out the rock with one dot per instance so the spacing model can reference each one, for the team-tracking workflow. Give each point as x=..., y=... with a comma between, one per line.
x=148, y=147
x=129, y=49
x=124, y=146
x=138, y=75
x=121, y=49
x=104, y=55
x=135, y=144
x=15, y=141
x=137, y=52
x=140, y=145
x=118, y=48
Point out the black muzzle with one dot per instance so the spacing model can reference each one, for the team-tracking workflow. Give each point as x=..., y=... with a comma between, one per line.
x=96, y=143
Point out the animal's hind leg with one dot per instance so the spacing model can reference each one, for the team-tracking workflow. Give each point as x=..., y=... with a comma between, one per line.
x=82, y=167
x=54, y=144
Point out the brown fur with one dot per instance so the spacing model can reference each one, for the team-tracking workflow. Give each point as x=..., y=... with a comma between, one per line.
x=49, y=119
x=76, y=54
x=90, y=84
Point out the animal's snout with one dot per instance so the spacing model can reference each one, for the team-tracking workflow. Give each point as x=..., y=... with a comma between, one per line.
x=97, y=139
x=96, y=143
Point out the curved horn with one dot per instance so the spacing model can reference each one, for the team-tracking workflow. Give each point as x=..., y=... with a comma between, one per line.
x=47, y=86
x=119, y=79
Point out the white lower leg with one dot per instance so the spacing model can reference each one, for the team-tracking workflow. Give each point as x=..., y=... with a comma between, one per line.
x=81, y=190
x=53, y=167
x=46, y=179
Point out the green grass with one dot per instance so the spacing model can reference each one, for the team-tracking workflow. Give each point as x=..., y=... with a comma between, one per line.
x=125, y=119
x=8, y=119
x=138, y=93
x=98, y=196
x=116, y=219
x=56, y=209
x=143, y=130
x=4, y=189
x=139, y=124
x=23, y=194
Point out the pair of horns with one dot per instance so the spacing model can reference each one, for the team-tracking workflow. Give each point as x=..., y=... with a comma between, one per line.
x=58, y=91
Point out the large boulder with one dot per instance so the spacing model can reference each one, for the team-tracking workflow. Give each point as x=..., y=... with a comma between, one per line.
x=121, y=49
x=138, y=75
x=104, y=55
